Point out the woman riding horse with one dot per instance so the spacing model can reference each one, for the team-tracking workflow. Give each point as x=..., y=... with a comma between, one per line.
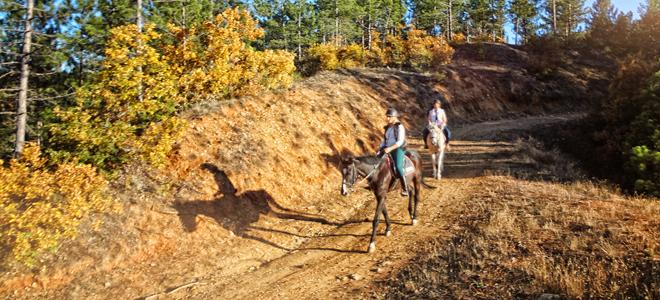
x=394, y=141
x=437, y=118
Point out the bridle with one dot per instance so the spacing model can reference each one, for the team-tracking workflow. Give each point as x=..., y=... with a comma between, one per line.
x=355, y=172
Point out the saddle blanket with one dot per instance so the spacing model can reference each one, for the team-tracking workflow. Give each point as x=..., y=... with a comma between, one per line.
x=408, y=165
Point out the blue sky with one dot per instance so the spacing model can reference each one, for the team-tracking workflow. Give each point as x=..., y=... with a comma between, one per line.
x=622, y=5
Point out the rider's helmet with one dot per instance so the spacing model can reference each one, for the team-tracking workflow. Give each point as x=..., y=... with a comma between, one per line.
x=392, y=112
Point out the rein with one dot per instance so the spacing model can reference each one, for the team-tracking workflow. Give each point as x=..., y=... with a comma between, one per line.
x=369, y=174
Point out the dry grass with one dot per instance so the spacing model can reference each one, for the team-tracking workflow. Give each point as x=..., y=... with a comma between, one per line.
x=521, y=238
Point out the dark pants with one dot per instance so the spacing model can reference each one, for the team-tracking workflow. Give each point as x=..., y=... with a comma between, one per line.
x=446, y=131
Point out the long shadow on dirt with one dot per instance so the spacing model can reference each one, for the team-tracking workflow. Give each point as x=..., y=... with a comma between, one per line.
x=238, y=212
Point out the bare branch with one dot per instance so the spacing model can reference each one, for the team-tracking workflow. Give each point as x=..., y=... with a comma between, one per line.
x=9, y=52
x=45, y=34
x=9, y=90
x=43, y=74
x=7, y=74
x=10, y=63
x=7, y=113
x=51, y=98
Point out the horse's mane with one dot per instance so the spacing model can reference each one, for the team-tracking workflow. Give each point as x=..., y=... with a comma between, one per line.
x=369, y=159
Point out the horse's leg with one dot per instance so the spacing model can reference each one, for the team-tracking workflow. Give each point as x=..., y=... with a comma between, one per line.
x=435, y=175
x=411, y=208
x=379, y=209
x=442, y=159
x=388, y=228
x=441, y=156
x=417, y=189
x=436, y=166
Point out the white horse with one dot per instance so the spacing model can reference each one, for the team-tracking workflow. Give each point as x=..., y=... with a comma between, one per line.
x=436, y=142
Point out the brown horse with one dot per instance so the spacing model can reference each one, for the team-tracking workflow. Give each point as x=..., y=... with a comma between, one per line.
x=381, y=180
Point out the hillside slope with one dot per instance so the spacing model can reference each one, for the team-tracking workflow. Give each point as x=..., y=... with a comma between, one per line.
x=255, y=178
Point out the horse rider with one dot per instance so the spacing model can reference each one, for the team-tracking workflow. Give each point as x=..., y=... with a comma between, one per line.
x=394, y=142
x=437, y=118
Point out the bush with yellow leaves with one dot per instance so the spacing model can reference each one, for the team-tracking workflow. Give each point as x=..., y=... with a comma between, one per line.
x=326, y=55
x=41, y=205
x=459, y=38
x=395, y=50
x=351, y=56
x=127, y=113
x=417, y=50
x=424, y=51
x=215, y=59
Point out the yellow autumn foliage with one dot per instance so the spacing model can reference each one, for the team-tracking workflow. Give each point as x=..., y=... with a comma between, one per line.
x=127, y=113
x=417, y=50
x=459, y=38
x=425, y=51
x=351, y=56
x=326, y=54
x=42, y=206
x=215, y=60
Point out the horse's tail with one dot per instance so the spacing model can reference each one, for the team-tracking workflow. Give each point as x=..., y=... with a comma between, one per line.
x=418, y=162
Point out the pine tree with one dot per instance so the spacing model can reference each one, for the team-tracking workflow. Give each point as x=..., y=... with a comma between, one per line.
x=601, y=24
x=31, y=57
x=302, y=18
x=485, y=18
x=273, y=18
x=184, y=13
x=563, y=16
x=338, y=19
x=393, y=12
x=431, y=15
x=523, y=14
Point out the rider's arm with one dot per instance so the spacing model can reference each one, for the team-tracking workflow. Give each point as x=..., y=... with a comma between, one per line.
x=443, y=117
x=430, y=117
x=402, y=137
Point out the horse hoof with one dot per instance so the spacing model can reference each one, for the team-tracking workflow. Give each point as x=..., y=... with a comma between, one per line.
x=388, y=233
x=414, y=222
x=372, y=247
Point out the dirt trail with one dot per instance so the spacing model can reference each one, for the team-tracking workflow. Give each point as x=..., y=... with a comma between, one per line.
x=330, y=261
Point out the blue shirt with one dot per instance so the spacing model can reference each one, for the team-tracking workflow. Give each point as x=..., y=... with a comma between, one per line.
x=390, y=137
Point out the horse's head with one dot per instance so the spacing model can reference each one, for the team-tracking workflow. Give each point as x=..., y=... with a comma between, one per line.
x=349, y=175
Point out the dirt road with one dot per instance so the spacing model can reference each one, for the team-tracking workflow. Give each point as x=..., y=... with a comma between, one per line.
x=330, y=260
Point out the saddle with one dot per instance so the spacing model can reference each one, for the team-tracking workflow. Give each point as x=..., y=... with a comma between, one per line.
x=408, y=165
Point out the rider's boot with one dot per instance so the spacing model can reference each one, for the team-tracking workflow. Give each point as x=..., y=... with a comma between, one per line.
x=404, y=186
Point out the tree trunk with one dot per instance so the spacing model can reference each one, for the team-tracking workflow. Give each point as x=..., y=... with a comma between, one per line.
x=554, y=16
x=569, y=25
x=299, y=32
x=449, y=22
x=140, y=24
x=336, y=23
x=21, y=113
x=369, y=28
x=435, y=19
